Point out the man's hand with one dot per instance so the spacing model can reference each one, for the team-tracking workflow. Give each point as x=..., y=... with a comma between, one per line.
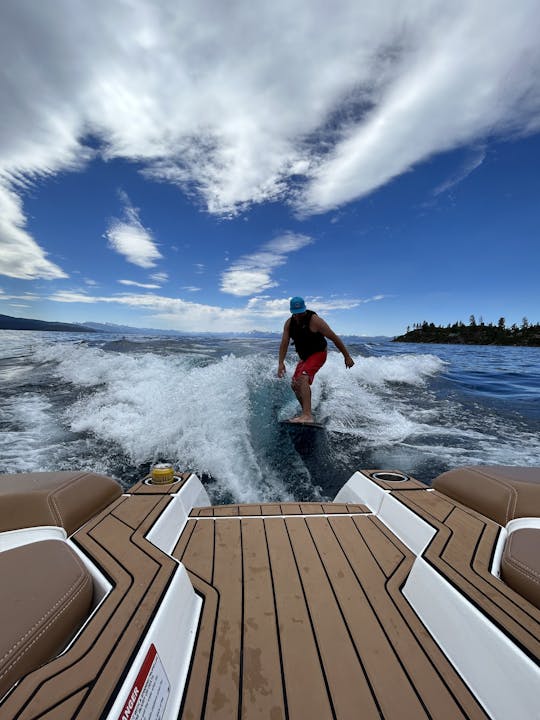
x=281, y=370
x=349, y=362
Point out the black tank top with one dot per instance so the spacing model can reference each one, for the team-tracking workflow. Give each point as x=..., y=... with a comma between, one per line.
x=305, y=341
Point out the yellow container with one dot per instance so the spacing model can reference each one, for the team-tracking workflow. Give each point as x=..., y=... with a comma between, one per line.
x=162, y=474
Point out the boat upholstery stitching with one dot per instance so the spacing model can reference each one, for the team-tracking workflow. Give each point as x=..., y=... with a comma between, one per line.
x=520, y=566
x=49, y=612
x=55, y=496
x=512, y=494
x=44, y=629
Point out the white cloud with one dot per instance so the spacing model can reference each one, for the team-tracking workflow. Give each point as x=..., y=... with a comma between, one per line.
x=159, y=277
x=181, y=92
x=466, y=74
x=175, y=312
x=258, y=314
x=20, y=255
x=129, y=238
x=148, y=286
x=74, y=296
x=191, y=288
x=28, y=297
x=253, y=273
x=245, y=281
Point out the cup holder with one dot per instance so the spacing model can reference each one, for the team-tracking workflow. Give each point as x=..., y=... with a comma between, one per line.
x=390, y=476
x=149, y=481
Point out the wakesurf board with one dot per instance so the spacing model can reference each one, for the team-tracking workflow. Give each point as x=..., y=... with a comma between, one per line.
x=289, y=423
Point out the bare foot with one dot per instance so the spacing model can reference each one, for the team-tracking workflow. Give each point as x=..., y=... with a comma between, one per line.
x=302, y=419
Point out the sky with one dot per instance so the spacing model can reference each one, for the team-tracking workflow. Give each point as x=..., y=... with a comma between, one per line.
x=191, y=166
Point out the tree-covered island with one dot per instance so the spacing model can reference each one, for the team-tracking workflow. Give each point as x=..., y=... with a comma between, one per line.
x=475, y=333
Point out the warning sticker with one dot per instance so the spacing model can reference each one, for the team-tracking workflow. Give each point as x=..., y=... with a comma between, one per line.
x=150, y=691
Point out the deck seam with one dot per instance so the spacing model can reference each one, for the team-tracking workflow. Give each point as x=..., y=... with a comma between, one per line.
x=308, y=610
x=394, y=579
x=282, y=669
x=345, y=623
x=159, y=567
x=214, y=632
x=187, y=540
x=480, y=606
x=193, y=653
x=375, y=613
x=140, y=641
x=242, y=620
x=271, y=517
x=427, y=655
x=211, y=650
x=403, y=556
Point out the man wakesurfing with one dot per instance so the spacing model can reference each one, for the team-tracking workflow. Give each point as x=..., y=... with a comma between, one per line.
x=308, y=331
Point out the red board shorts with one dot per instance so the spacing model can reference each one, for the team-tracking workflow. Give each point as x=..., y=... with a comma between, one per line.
x=310, y=366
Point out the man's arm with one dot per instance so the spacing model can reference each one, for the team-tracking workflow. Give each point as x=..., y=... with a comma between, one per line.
x=319, y=325
x=283, y=347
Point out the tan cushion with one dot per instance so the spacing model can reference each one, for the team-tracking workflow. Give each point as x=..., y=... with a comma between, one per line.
x=45, y=595
x=66, y=499
x=501, y=493
x=520, y=564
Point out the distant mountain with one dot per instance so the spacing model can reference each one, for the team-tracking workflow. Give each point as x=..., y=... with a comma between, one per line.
x=128, y=330
x=7, y=322
x=14, y=323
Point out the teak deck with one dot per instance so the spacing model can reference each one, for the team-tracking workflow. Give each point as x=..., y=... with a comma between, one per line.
x=305, y=619
x=303, y=615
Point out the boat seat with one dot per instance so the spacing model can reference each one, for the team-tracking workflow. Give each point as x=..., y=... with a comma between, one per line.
x=66, y=499
x=45, y=595
x=501, y=493
x=520, y=564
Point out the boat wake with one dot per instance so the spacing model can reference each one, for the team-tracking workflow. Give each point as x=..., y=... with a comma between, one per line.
x=117, y=408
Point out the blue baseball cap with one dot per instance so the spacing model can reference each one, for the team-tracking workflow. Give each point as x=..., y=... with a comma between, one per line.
x=297, y=305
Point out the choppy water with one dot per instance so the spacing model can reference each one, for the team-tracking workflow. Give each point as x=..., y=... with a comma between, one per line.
x=117, y=405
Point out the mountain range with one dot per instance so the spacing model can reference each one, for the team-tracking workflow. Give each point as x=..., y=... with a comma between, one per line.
x=7, y=322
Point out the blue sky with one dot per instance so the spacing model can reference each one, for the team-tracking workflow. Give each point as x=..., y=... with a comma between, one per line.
x=194, y=168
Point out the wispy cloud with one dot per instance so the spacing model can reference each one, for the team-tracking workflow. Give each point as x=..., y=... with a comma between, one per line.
x=27, y=297
x=473, y=162
x=191, y=288
x=258, y=313
x=253, y=273
x=148, y=286
x=315, y=120
x=160, y=277
x=75, y=296
x=129, y=238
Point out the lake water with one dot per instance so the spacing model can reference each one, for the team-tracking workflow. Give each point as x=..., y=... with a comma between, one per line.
x=212, y=405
